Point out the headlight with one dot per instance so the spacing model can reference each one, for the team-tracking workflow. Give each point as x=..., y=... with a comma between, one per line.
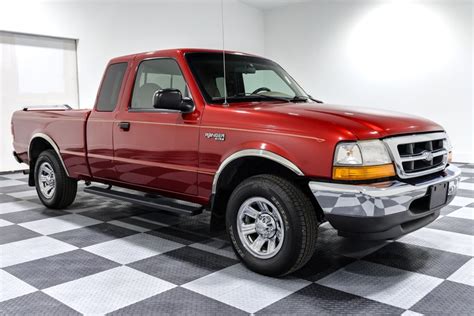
x=447, y=145
x=362, y=160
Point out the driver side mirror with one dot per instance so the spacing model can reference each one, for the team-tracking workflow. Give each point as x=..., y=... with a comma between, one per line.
x=172, y=99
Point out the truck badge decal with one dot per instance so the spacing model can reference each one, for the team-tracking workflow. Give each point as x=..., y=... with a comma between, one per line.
x=220, y=137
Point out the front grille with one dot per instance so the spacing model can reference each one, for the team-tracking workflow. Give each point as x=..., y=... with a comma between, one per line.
x=419, y=154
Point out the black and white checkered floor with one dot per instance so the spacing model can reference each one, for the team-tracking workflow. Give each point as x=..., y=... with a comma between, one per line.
x=103, y=256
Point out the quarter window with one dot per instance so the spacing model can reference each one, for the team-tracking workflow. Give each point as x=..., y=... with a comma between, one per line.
x=110, y=88
x=154, y=75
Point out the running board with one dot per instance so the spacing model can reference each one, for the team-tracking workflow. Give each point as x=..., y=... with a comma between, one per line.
x=159, y=203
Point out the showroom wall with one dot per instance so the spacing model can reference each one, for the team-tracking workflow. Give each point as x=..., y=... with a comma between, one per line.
x=407, y=56
x=106, y=28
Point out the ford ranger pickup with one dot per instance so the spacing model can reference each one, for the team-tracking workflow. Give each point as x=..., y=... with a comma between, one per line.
x=188, y=130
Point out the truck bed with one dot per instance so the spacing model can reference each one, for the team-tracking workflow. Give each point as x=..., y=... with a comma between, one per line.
x=66, y=128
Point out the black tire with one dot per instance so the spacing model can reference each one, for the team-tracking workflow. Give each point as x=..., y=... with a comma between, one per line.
x=65, y=187
x=297, y=214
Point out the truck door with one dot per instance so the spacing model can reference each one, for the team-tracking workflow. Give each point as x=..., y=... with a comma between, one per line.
x=100, y=123
x=156, y=148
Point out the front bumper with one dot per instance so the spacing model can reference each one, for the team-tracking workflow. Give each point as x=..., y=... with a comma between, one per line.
x=383, y=210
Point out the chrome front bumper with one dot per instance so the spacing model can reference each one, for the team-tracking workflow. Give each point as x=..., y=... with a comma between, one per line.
x=381, y=210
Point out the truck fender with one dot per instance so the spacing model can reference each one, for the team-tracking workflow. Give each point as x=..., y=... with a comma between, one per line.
x=52, y=143
x=254, y=153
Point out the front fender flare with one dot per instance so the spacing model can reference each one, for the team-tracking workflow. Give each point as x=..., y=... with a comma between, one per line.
x=254, y=153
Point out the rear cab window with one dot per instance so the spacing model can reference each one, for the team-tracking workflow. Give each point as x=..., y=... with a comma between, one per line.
x=110, y=89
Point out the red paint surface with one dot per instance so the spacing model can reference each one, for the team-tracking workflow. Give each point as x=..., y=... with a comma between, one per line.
x=168, y=153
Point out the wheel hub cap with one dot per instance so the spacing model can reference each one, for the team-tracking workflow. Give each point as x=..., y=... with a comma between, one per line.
x=265, y=226
x=47, y=180
x=260, y=227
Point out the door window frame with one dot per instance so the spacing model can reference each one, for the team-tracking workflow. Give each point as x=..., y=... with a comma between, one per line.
x=155, y=110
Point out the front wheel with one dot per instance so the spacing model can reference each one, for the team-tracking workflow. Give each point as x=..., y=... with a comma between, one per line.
x=272, y=225
x=55, y=189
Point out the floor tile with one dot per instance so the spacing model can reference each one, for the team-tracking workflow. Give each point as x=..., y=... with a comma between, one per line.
x=32, y=215
x=133, y=248
x=465, y=193
x=464, y=274
x=59, y=224
x=31, y=249
x=449, y=209
x=466, y=186
x=24, y=194
x=241, y=288
x=91, y=235
x=15, y=188
x=216, y=246
x=323, y=263
x=107, y=291
x=36, y=303
x=15, y=233
x=10, y=183
x=442, y=240
x=462, y=201
x=124, y=224
x=4, y=223
x=12, y=287
x=419, y=259
x=7, y=198
x=179, y=301
x=381, y=283
x=17, y=206
x=328, y=238
x=449, y=298
x=105, y=214
x=15, y=176
x=316, y=299
x=464, y=212
x=411, y=313
x=453, y=224
x=65, y=267
x=160, y=218
x=467, y=170
x=179, y=235
x=183, y=265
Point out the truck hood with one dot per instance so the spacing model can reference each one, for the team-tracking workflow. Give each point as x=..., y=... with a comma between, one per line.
x=362, y=123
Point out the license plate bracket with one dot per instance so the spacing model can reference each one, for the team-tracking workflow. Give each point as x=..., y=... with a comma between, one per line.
x=438, y=194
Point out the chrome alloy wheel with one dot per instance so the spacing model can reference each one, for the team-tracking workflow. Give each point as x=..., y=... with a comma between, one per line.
x=47, y=180
x=260, y=227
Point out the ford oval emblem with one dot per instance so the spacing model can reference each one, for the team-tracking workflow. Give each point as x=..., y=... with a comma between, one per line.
x=428, y=155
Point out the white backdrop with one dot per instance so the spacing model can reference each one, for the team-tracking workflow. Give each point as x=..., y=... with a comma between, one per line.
x=33, y=70
x=408, y=56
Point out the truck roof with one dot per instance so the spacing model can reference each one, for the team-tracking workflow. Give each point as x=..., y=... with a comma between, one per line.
x=174, y=52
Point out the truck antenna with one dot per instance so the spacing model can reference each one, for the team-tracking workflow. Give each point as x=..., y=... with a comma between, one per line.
x=223, y=54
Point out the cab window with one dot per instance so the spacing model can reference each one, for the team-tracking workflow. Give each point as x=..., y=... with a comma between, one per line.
x=154, y=75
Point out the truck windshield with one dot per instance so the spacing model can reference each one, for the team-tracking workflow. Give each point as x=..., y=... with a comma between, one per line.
x=247, y=78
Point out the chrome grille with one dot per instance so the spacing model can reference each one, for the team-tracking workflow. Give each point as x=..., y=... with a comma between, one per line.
x=419, y=154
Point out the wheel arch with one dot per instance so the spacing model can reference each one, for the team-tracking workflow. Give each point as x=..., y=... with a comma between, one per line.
x=38, y=143
x=243, y=164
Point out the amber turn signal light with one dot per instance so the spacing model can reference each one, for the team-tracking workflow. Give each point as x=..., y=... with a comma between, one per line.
x=450, y=156
x=352, y=173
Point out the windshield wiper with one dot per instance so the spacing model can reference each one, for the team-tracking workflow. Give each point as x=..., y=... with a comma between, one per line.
x=269, y=97
x=263, y=96
x=315, y=100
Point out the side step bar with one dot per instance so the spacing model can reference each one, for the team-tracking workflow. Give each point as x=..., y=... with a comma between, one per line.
x=159, y=203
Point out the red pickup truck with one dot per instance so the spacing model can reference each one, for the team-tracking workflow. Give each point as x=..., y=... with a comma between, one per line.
x=270, y=162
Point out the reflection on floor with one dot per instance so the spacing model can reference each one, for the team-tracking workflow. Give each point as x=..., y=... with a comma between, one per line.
x=104, y=256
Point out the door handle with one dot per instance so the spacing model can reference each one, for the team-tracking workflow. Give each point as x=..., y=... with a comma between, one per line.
x=124, y=126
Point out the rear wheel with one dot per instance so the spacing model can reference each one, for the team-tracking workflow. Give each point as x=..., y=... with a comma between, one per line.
x=55, y=189
x=272, y=225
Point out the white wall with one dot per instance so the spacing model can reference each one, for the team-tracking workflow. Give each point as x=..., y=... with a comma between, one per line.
x=107, y=29
x=408, y=56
